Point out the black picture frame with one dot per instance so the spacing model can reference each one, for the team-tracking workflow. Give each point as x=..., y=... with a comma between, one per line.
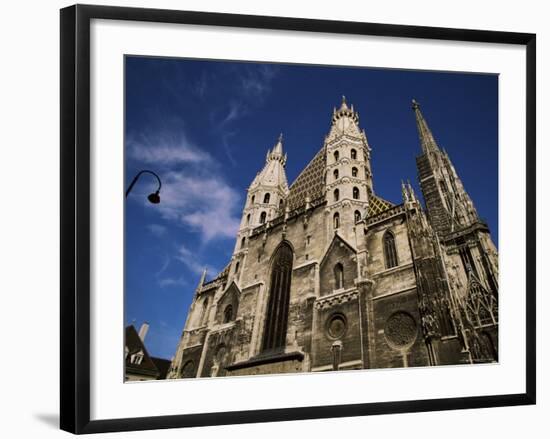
x=75, y=217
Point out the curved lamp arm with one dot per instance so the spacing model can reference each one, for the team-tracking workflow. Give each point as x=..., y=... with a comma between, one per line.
x=154, y=197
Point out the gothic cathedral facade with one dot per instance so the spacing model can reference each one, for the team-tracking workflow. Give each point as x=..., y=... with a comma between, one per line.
x=327, y=275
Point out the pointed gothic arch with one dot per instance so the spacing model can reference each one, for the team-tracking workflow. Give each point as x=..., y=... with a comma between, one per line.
x=354, y=154
x=336, y=156
x=336, y=220
x=336, y=174
x=279, y=297
x=336, y=195
x=267, y=196
x=390, y=252
x=204, y=314
x=228, y=313
x=263, y=216
x=355, y=193
x=338, y=276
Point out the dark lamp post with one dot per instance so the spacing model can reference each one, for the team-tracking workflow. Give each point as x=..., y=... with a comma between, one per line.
x=154, y=197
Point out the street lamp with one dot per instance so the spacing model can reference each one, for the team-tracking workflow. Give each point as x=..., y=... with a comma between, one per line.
x=154, y=197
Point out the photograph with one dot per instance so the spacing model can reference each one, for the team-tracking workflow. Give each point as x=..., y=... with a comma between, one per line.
x=295, y=218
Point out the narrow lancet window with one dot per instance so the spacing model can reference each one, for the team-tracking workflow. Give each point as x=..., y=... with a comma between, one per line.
x=338, y=276
x=390, y=253
x=279, y=296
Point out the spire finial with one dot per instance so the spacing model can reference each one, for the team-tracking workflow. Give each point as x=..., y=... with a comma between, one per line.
x=203, y=278
x=278, y=148
x=425, y=135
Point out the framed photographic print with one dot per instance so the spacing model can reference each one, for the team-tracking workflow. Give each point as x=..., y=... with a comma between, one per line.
x=304, y=218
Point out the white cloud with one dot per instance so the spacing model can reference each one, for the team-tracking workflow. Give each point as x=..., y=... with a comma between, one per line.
x=256, y=81
x=173, y=282
x=166, y=150
x=236, y=110
x=205, y=203
x=190, y=260
x=157, y=229
x=194, y=193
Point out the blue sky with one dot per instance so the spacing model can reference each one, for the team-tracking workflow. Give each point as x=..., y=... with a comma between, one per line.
x=205, y=127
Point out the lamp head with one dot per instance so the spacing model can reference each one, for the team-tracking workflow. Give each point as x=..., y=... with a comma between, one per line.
x=154, y=198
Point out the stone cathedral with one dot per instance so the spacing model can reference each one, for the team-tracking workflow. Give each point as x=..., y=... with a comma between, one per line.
x=327, y=275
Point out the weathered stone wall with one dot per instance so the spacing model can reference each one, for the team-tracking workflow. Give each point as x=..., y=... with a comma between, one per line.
x=337, y=320
x=339, y=253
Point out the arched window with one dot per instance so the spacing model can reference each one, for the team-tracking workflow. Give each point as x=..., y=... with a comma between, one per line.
x=228, y=314
x=247, y=219
x=336, y=194
x=204, y=315
x=390, y=254
x=279, y=295
x=252, y=199
x=338, y=276
x=336, y=156
x=335, y=173
x=355, y=193
x=188, y=370
x=280, y=203
x=336, y=220
x=267, y=197
x=357, y=216
x=262, y=217
x=353, y=154
x=354, y=172
x=243, y=242
x=237, y=267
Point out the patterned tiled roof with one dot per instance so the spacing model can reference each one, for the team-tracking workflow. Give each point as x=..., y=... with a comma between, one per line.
x=377, y=205
x=310, y=182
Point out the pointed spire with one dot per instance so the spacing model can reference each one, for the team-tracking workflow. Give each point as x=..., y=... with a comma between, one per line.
x=203, y=278
x=345, y=111
x=344, y=105
x=278, y=148
x=425, y=135
x=277, y=152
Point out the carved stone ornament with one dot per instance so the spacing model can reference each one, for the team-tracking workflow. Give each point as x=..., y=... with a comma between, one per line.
x=400, y=330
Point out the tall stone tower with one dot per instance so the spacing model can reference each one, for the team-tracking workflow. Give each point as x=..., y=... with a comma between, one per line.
x=348, y=172
x=470, y=256
x=264, y=201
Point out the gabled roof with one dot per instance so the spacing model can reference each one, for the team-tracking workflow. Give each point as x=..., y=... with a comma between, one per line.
x=134, y=344
x=335, y=238
x=310, y=183
x=162, y=365
x=232, y=287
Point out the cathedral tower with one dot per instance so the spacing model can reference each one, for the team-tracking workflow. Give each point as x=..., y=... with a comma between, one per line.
x=264, y=200
x=470, y=256
x=348, y=172
x=452, y=213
